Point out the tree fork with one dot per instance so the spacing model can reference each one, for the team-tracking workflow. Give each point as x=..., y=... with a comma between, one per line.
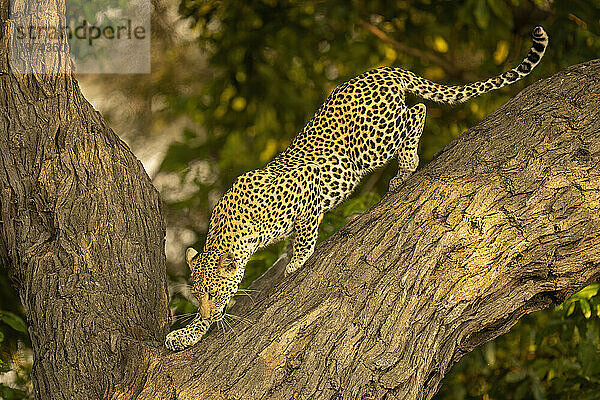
x=504, y=221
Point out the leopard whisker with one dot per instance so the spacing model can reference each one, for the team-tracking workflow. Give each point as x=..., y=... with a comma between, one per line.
x=186, y=316
x=249, y=290
x=180, y=287
x=229, y=325
x=241, y=319
x=220, y=324
x=224, y=322
x=247, y=295
x=185, y=290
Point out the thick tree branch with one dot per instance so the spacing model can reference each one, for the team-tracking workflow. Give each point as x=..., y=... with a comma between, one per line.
x=503, y=222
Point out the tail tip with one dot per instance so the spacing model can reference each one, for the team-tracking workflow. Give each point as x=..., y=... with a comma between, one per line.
x=539, y=34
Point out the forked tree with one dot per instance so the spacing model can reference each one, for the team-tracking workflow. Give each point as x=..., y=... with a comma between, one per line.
x=504, y=221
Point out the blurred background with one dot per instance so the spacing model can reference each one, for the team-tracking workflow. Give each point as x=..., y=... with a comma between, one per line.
x=233, y=81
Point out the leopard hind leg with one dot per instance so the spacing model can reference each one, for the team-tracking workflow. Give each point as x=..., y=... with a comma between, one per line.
x=408, y=158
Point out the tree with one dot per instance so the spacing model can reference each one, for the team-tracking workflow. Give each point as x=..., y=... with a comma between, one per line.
x=82, y=234
x=78, y=211
x=471, y=243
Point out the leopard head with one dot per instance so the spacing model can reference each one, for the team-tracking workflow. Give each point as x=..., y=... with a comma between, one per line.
x=216, y=277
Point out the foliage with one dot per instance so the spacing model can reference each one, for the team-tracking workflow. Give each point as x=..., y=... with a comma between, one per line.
x=547, y=355
x=15, y=345
x=273, y=61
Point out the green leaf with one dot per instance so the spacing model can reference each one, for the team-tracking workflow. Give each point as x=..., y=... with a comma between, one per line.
x=585, y=308
x=588, y=358
x=570, y=309
x=178, y=157
x=482, y=14
x=538, y=391
x=14, y=321
x=8, y=393
x=489, y=352
x=1, y=336
x=516, y=376
x=501, y=10
x=587, y=292
x=521, y=391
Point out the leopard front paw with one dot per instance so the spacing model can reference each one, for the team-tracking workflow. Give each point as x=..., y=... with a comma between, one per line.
x=175, y=341
x=291, y=268
x=188, y=336
x=180, y=339
x=397, y=181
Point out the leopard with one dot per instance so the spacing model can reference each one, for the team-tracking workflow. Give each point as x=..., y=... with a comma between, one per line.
x=360, y=127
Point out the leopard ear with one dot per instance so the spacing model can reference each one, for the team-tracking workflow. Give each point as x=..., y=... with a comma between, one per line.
x=189, y=254
x=227, y=263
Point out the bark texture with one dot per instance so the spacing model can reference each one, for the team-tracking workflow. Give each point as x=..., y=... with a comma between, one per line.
x=504, y=221
x=81, y=229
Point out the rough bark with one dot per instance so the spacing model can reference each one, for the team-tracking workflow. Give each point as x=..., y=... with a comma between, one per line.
x=81, y=230
x=504, y=221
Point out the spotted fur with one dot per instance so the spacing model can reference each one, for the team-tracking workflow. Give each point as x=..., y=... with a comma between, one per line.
x=362, y=125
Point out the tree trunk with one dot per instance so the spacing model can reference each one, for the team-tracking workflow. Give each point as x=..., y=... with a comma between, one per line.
x=504, y=221
x=82, y=231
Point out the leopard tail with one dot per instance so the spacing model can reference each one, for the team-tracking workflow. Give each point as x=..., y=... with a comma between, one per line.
x=457, y=94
